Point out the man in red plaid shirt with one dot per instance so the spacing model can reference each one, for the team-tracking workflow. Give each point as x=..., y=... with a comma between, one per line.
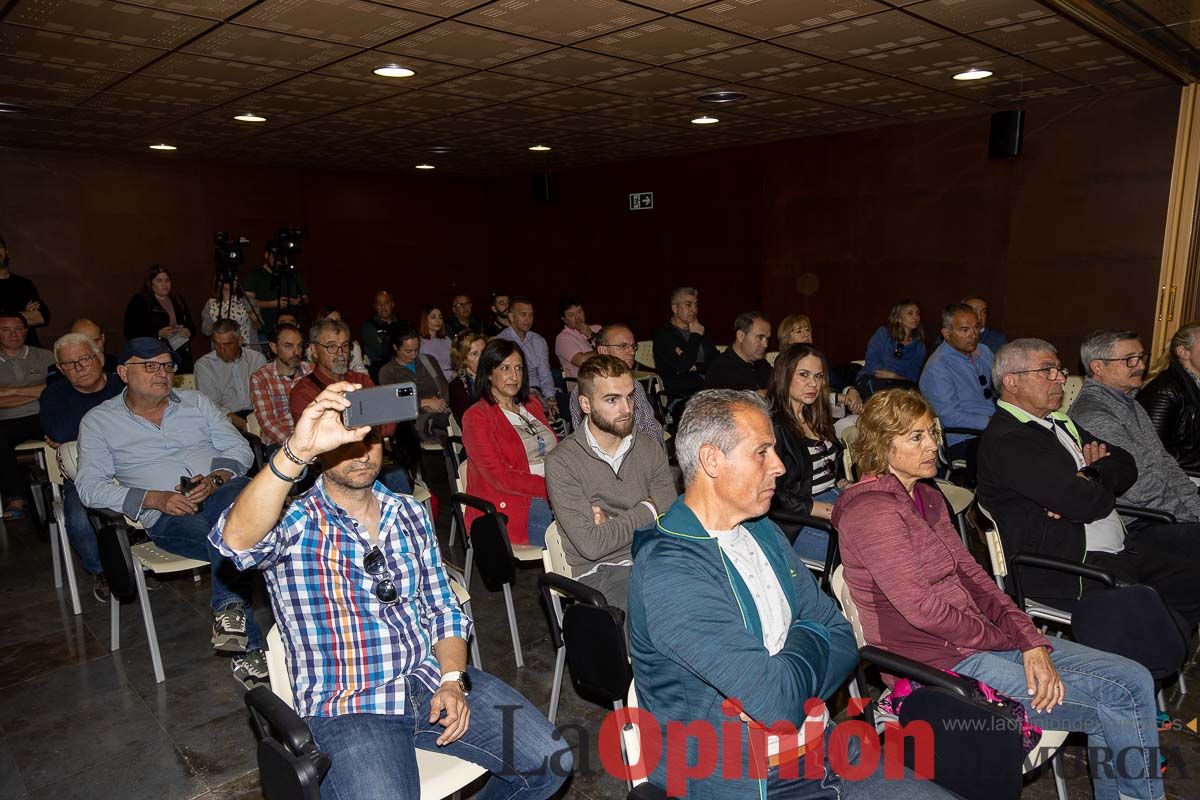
x=271, y=384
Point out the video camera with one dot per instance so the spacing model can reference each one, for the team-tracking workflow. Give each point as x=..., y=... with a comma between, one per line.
x=286, y=246
x=229, y=252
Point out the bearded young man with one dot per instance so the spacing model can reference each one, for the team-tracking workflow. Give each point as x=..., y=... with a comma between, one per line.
x=606, y=480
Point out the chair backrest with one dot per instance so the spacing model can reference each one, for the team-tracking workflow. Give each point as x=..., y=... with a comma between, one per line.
x=454, y=428
x=771, y=357
x=596, y=651
x=488, y=537
x=67, y=459
x=631, y=736
x=995, y=546
x=281, y=679
x=461, y=484
x=644, y=354
x=1071, y=390
x=959, y=498
x=849, y=436
x=184, y=380
x=554, y=558
x=842, y=593
x=252, y=426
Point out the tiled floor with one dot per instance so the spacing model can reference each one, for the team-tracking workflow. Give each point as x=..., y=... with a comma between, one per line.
x=77, y=720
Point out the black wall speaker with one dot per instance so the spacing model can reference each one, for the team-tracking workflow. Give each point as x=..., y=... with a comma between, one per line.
x=1008, y=128
x=545, y=187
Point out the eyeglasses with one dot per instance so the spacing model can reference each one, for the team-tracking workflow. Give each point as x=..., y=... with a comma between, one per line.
x=334, y=348
x=154, y=366
x=1130, y=361
x=1049, y=373
x=536, y=433
x=616, y=346
x=81, y=364
x=987, y=390
x=462, y=305
x=376, y=566
x=899, y=350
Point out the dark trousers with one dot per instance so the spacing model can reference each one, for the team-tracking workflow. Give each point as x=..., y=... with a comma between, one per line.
x=965, y=450
x=12, y=433
x=1166, y=557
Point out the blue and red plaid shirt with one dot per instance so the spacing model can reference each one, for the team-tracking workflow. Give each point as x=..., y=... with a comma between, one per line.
x=347, y=652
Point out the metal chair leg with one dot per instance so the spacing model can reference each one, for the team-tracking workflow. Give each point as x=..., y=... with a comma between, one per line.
x=453, y=530
x=475, y=659
x=1060, y=783
x=58, y=530
x=148, y=618
x=114, y=616
x=961, y=523
x=470, y=562
x=56, y=559
x=556, y=688
x=512, y=626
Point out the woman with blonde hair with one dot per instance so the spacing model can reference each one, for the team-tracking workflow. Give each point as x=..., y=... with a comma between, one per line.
x=896, y=351
x=1172, y=399
x=795, y=329
x=798, y=329
x=464, y=356
x=921, y=594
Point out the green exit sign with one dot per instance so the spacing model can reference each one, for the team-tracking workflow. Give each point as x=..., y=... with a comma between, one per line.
x=641, y=200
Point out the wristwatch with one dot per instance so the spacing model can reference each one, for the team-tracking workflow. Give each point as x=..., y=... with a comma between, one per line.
x=461, y=678
x=218, y=479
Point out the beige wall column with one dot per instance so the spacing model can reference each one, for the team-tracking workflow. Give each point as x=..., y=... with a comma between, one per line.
x=1179, y=279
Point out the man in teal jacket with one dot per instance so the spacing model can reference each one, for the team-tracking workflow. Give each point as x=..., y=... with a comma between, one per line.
x=728, y=632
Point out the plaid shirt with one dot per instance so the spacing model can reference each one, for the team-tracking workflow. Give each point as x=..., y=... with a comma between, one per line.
x=347, y=652
x=269, y=396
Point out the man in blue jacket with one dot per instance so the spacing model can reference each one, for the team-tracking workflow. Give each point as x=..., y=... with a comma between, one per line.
x=728, y=631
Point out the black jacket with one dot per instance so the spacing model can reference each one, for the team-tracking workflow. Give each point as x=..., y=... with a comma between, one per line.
x=1172, y=400
x=675, y=353
x=1024, y=471
x=144, y=316
x=793, y=499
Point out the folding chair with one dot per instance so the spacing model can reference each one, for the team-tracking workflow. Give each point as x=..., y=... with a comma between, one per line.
x=454, y=456
x=60, y=543
x=644, y=354
x=959, y=500
x=962, y=753
x=554, y=561
x=290, y=765
x=184, y=380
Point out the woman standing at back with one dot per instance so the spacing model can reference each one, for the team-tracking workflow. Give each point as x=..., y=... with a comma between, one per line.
x=158, y=311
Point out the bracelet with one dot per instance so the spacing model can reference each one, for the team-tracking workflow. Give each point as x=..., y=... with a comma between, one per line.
x=287, y=451
x=285, y=478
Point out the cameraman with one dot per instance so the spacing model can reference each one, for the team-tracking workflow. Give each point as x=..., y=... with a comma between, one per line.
x=273, y=290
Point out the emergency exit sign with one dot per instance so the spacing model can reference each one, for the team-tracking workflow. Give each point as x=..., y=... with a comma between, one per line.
x=641, y=200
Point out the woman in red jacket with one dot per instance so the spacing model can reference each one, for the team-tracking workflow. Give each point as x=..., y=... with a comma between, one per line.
x=507, y=437
x=922, y=595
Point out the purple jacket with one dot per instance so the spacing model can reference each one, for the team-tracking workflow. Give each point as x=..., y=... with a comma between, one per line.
x=920, y=594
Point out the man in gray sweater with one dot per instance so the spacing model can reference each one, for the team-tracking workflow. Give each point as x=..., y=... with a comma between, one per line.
x=1115, y=362
x=606, y=480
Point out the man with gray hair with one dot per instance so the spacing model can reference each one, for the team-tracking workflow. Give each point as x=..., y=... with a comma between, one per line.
x=1115, y=362
x=682, y=348
x=81, y=361
x=726, y=624
x=1052, y=487
x=223, y=375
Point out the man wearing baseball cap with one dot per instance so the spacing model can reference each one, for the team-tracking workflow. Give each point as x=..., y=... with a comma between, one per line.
x=178, y=463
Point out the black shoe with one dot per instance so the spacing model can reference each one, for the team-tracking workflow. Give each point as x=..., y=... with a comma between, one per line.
x=229, y=630
x=100, y=589
x=251, y=668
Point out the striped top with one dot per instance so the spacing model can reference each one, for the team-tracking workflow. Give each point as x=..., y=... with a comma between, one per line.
x=347, y=652
x=823, y=456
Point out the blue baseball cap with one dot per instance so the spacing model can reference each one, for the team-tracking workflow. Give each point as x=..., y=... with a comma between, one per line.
x=146, y=347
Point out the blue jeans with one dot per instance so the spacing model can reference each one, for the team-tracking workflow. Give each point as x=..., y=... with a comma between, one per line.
x=374, y=755
x=1108, y=697
x=79, y=529
x=540, y=518
x=188, y=536
x=813, y=542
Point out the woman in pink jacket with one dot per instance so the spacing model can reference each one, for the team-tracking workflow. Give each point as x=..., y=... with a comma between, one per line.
x=507, y=437
x=921, y=594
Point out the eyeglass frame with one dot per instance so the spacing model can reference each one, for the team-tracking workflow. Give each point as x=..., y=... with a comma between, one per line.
x=152, y=367
x=1136, y=358
x=1063, y=371
x=334, y=349
x=383, y=577
x=77, y=364
x=988, y=394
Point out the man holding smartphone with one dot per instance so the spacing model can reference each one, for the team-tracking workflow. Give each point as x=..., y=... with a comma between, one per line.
x=379, y=660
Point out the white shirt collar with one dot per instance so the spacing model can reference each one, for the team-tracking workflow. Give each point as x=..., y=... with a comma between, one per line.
x=614, y=460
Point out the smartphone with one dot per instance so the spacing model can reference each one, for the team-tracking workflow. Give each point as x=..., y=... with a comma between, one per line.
x=380, y=405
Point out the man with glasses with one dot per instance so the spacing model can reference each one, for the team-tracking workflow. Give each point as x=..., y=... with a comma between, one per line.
x=169, y=459
x=957, y=381
x=617, y=340
x=22, y=381
x=379, y=663
x=80, y=360
x=1116, y=364
x=329, y=346
x=1052, y=487
x=460, y=317
x=92, y=331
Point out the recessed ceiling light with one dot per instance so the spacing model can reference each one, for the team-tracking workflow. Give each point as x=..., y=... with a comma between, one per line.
x=11, y=108
x=705, y=120
x=973, y=74
x=540, y=148
x=394, y=71
x=721, y=97
x=441, y=150
x=426, y=166
x=163, y=147
x=250, y=118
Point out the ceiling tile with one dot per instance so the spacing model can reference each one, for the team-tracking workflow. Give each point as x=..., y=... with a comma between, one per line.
x=854, y=119
x=874, y=95
x=790, y=107
x=495, y=87
x=351, y=22
x=271, y=49
x=864, y=35
x=1038, y=34
x=968, y=16
x=673, y=6
x=386, y=114
x=61, y=48
x=438, y=8
x=1004, y=69
x=1114, y=77
x=436, y=103
x=24, y=72
x=281, y=109
x=362, y=65
x=744, y=63
x=149, y=87
x=766, y=19
x=656, y=82
x=563, y=21
x=136, y=107
x=577, y=100
x=117, y=22
x=656, y=111
x=929, y=56
x=35, y=96
x=210, y=9
x=583, y=122
x=450, y=128
x=815, y=79
x=1011, y=83
x=511, y=114
x=202, y=132
x=342, y=91
x=571, y=66
x=202, y=69
x=665, y=40
x=466, y=45
x=1090, y=54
